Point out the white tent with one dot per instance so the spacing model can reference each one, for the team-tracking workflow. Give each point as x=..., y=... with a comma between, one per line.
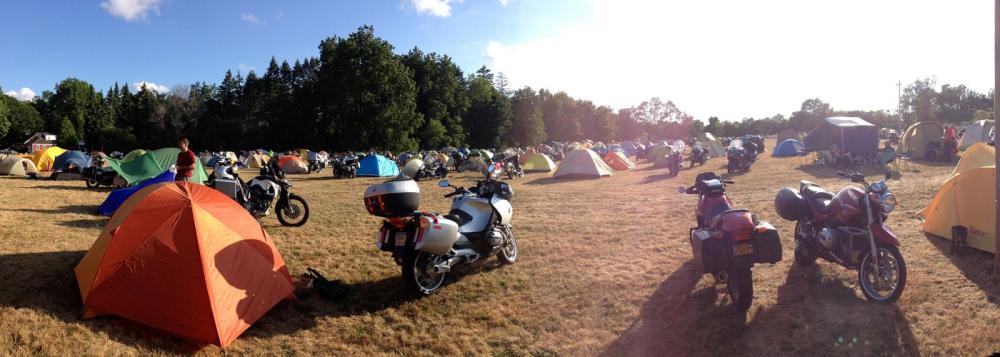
x=977, y=132
x=583, y=163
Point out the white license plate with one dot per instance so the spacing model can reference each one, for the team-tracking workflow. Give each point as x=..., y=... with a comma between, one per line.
x=743, y=249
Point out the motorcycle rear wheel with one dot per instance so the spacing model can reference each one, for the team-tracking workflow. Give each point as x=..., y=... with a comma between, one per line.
x=740, y=287
x=890, y=262
x=92, y=183
x=295, y=208
x=418, y=275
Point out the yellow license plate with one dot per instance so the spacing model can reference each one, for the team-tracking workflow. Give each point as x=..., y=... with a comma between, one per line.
x=400, y=239
x=743, y=249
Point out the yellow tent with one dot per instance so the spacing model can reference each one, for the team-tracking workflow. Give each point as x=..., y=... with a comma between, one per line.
x=583, y=163
x=978, y=155
x=539, y=163
x=258, y=160
x=44, y=159
x=960, y=202
x=916, y=137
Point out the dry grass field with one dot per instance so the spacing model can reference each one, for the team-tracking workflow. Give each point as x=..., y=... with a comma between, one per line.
x=605, y=270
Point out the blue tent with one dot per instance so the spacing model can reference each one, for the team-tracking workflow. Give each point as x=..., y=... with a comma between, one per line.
x=76, y=158
x=464, y=151
x=117, y=197
x=788, y=148
x=377, y=165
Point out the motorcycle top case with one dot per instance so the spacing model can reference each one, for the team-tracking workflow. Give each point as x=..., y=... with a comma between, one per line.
x=395, y=198
x=712, y=253
x=767, y=245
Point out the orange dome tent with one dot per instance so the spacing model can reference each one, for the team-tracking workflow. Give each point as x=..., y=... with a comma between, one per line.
x=291, y=164
x=618, y=161
x=183, y=258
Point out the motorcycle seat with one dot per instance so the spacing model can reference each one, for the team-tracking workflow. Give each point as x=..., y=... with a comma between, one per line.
x=823, y=202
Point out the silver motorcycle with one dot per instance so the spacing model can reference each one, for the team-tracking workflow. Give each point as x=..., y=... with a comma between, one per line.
x=427, y=245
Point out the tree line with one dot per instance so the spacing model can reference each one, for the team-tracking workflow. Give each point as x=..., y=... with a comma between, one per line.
x=358, y=94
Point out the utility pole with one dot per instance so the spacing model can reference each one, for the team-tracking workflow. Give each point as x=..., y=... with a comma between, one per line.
x=996, y=109
x=899, y=105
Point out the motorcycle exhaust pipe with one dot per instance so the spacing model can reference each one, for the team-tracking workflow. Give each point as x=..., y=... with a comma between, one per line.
x=460, y=255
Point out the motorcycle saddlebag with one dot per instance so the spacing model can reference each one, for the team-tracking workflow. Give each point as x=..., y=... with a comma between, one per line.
x=435, y=234
x=711, y=252
x=767, y=245
x=228, y=187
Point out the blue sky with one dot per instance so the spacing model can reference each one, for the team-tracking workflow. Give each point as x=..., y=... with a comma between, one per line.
x=729, y=58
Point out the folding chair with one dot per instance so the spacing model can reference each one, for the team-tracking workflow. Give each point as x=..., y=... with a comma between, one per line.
x=903, y=162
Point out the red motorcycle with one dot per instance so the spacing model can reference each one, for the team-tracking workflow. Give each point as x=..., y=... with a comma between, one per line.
x=727, y=242
x=848, y=229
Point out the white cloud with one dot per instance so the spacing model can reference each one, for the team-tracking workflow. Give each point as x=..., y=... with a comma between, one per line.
x=245, y=68
x=251, y=18
x=131, y=10
x=23, y=94
x=754, y=58
x=439, y=8
x=159, y=88
x=504, y=2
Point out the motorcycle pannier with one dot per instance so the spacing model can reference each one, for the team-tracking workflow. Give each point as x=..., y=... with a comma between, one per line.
x=711, y=254
x=790, y=205
x=435, y=234
x=228, y=187
x=393, y=198
x=767, y=245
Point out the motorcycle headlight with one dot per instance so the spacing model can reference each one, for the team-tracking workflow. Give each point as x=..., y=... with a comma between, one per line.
x=889, y=202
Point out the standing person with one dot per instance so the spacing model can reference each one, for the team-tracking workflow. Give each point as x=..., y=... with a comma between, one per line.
x=185, y=160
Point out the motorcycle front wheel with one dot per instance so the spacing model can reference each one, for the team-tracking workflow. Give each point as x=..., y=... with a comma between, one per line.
x=508, y=253
x=419, y=275
x=893, y=274
x=294, y=212
x=740, y=286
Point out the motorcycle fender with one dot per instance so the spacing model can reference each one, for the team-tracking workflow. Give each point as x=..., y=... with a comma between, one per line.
x=503, y=209
x=883, y=234
x=435, y=234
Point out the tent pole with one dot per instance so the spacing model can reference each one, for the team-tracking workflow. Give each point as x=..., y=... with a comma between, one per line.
x=996, y=109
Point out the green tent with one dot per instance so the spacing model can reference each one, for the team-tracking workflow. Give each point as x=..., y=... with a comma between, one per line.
x=151, y=164
x=133, y=154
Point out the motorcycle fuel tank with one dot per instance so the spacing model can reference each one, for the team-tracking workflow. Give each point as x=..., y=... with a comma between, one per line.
x=478, y=209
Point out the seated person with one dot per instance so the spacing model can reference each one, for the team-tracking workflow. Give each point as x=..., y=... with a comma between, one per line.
x=933, y=150
x=887, y=154
x=949, y=149
x=839, y=158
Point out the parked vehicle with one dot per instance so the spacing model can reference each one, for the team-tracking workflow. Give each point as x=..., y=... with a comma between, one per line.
x=698, y=155
x=509, y=166
x=97, y=175
x=674, y=163
x=259, y=193
x=848, y=229
x=317, y=162
x=740, y=158
x=345, y=166
x=728, y=242
x=428, y=170
x=427, y=245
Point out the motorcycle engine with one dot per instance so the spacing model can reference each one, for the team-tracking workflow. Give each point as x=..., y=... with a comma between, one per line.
x=260, y=201
x=495, y=237
x=835, y=241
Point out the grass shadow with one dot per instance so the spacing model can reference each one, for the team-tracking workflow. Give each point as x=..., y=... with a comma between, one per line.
x=555, y=180
x=975, y=265
x=823, y=171
x=78, y=209
x=656, y=178
x=45, y=282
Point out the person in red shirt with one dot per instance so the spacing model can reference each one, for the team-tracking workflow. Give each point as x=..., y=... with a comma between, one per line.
x=185, y=160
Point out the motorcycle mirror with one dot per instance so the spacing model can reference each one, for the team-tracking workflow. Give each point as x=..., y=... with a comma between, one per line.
x=681, y=189
x=444, y=183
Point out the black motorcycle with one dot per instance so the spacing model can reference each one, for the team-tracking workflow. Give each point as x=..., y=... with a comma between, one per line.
x=432, y=170
x=674, y=163
x=510, y=166
x=258, y=194
x=698, y=155
x=740, y=159
x=345, y=166
x=97, y=175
